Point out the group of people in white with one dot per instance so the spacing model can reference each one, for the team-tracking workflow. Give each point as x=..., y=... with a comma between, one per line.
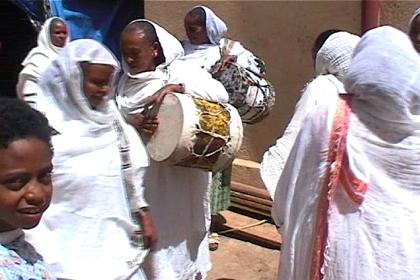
x=343, y=178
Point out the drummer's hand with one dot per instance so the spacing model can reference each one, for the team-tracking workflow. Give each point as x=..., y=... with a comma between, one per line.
x=136, y=120
x=150, y=236
x=149, y=126
x=150, y=122
x=142, y=123
x=158, y=96
x=168, y=89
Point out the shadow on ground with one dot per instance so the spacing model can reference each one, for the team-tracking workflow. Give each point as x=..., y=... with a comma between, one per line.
x=241, y=260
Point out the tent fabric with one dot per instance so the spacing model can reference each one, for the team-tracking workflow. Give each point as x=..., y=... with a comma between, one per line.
x=98, y=19
x=101, y=20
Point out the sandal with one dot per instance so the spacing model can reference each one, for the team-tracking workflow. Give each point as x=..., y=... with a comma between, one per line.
x=214, y=241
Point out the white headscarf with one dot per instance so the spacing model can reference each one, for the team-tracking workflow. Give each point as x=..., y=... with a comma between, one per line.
x=335, y=54
x=133, y=89
x=41, y=56
x=62, y=95
x=388, y=90
x=215, y=26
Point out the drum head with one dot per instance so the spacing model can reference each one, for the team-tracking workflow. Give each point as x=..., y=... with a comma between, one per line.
x=164, y=141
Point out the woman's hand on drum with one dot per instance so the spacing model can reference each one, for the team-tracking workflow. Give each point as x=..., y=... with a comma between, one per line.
x=150, y=235
x=168, y=89
x=142, y=123
x=149, y=122
x=136, y=120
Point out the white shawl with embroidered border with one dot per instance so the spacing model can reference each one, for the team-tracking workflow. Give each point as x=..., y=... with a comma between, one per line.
x=332, y=62
x=377, y=238
x=85, y=234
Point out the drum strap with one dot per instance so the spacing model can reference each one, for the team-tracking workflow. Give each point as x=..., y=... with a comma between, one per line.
x=226, y=47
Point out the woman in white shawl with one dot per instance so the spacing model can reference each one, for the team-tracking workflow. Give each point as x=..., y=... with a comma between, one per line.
x=205, y=44
x=347, y=201
x=91, y=228
x=414, y=29
x=52, y=38
x=205, y=47
x=178, y=196
x=332, y=54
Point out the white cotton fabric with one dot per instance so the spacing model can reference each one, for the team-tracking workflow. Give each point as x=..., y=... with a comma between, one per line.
x=178, y=196
x=85, y=234
x=36, y=62
x=322, y=89
x=215, y=26
x=203, y=56
x=333, y=61
x=378, y=239
x=206, y=55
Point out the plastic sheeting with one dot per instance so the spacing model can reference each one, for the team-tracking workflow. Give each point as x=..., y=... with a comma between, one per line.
x=101, y=20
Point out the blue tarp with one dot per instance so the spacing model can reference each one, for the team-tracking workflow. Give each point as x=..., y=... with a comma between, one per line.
x=102, y=20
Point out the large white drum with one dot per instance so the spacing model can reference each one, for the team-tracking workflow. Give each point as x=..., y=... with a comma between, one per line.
x=194, y=132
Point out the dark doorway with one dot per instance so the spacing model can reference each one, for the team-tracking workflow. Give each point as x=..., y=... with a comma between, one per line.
x=17, y=38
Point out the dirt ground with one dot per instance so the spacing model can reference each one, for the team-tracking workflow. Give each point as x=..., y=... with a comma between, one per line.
x=240, y=260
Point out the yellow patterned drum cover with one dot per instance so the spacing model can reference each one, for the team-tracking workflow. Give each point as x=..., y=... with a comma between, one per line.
x=194, y=132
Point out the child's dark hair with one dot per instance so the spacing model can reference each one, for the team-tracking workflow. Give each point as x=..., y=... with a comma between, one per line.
x=19, y=121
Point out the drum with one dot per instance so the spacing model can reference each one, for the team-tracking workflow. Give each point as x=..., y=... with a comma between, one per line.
x=251, y=94
x=194, y=132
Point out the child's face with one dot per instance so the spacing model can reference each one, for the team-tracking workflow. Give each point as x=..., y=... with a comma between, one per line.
x=139, y=54
x=97, y=83
x=25, y=183
x=196, y=33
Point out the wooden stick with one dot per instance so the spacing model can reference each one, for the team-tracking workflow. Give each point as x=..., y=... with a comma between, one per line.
x=244, y=227
x=246, y=163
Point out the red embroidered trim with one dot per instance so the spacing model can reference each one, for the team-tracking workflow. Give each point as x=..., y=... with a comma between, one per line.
x=354, y=187
x=337, y=170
